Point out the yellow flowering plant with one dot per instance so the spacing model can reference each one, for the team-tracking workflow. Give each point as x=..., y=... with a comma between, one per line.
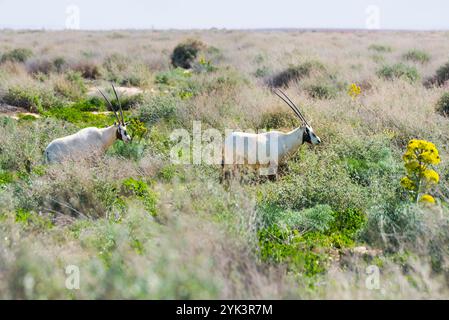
x=419, y=158
x=354, y=90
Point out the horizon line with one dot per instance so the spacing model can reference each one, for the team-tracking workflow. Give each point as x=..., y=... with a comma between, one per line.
x=261, y=29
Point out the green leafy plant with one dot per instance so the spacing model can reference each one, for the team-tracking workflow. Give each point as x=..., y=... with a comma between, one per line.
x=17, y=55
x=397, y=71
x=137, y=129
x=141, y=189
x=380, y=48
x=416, y=55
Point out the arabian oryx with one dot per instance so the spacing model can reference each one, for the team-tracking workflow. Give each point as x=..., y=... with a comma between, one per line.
x=88, y=141
x=265, y=151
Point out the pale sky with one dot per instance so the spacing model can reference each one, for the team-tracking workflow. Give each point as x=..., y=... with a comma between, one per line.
x=230, y=14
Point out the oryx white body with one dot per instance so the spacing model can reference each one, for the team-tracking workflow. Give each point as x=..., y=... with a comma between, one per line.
x=266, y=151
x=86, y=142
x=262, y=148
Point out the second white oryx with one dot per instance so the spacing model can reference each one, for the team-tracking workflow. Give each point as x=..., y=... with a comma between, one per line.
x=266, y=151
x=88, y=141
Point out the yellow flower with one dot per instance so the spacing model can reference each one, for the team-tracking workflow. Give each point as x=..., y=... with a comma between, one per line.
x=431, y=176
x=354, y=90
x=427, y=198
x=413, y=166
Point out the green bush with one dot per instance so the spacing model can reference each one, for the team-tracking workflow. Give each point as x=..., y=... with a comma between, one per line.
x=72, y=87
x=262, y=72
x=318, y=218
x=16, y=55
x=158, y=108
x=134, y=150
x=397, y=71
x=185, y=53
x=442, y=105
x=322, y=91
x=128, y=101
x=278, y=119
x=90, y=104
x=6, y=177
x=72, y=114
x=88, y=69
x=295, y=73
x=416, y=55
x=24, y=141
x=380, y=48
x=368, y=161
x=141, y=189
x=31, y=99
x=440, y=77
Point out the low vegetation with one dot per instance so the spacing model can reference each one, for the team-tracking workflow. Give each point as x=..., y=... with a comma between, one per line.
x=372, y=196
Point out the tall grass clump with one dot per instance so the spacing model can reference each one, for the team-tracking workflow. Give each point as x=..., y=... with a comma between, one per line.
x=417, y=56
x=380, y=48
x=399, y=71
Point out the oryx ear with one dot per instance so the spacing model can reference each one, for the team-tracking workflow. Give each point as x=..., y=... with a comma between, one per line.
x=126, y=123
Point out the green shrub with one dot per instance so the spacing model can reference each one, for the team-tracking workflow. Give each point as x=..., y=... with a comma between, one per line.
x=173, y=77
x=141, y=189
x=328, y=183
x=185, y=53
x=399, y=70
x=278, y=119
x=440, y=77
x=416, y=55
x=24, y=142
x=134, y=150
x=16, y=55
x=368, y=161
x=318, y=218
x=39, y=67
x=6, y=177
x=158, y=108
x=295, y=73
x=72, y=86
x=60, y=64
x=90, y=104
x=262, y=72
x=380, y=48
x=88, y=69
x=34, y=100
x=137, y=129
x=128, y=101
x=442, y=105
x=321, y=91
x=72, y=113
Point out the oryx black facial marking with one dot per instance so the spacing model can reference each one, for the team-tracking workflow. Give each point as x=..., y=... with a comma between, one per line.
x=306, y=136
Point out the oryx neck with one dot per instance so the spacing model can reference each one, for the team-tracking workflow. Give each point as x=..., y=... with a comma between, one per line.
x=295, y=137
x=109, y=135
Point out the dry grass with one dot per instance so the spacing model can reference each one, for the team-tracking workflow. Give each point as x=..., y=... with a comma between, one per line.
x=203, y=242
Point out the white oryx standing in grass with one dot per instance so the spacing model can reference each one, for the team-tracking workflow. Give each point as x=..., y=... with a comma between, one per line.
x=88, y=141
x=266, y=151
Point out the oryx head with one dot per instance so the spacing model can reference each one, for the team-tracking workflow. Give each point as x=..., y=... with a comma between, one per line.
x=308, y=134
x=122, y=134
